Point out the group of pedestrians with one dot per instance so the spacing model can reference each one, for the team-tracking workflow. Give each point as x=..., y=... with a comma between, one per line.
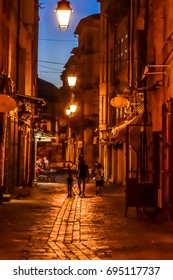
x=42, y=164
x=82, y=176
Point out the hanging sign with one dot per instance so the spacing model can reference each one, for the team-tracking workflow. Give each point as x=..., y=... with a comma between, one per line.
x=119, y=102
x=7, y=103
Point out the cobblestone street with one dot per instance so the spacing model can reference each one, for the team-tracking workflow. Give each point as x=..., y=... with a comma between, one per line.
x=49, y=225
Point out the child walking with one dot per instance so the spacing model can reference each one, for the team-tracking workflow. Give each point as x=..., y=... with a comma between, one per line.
x=69, y=184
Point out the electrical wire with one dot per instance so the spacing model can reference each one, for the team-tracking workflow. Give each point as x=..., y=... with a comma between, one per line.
x=55, y=40
x=50, y=72
x=49, y=68
x=51, y=62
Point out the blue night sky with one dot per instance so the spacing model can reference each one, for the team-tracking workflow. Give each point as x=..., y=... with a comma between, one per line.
x=55, y=46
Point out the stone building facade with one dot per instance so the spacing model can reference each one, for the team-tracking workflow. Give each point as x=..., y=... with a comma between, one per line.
x=18, y=74
x=144, y=76
x=84, y=63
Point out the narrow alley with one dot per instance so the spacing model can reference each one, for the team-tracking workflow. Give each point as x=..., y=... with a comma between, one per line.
x=48, y=225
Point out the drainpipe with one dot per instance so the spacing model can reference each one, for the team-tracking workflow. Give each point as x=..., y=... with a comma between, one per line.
x=145, y=42
x=17, y=47
x=107, y=68
x=130, y=49
x=106, y=156
x=2, y=159
x=144, y=152
x=17, y=83
x=130, y=76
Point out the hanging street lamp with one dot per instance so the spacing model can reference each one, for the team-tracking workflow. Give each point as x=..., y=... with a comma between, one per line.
x=68, y=112
x=72, y=81
x=63, y=14
x=73, y=107
x=71, y=110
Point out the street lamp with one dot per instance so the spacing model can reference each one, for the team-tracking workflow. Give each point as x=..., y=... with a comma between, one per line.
x=36, y=138
x=71, y=81
x=70, y=113
x=73, y=107
x=63, y=14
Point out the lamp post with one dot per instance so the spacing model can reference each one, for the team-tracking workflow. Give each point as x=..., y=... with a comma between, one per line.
x=63, y=14
x=70, y=113
x=36, y=138
x=35, y=158
x=72, y=82
x=72, y=79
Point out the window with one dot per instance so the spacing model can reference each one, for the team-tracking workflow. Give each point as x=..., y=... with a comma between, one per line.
x=102, y=109
x=111, y=65
x=125, y=50
x=89, y=43
x=121, y=53
x=45, y=125
x=117, y=56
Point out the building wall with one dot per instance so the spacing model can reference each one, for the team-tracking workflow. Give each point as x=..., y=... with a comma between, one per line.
x=155, y=42
x=19, y=44
x=167, y=116
x=159, y=27
x=86, y=63
x=113, y=82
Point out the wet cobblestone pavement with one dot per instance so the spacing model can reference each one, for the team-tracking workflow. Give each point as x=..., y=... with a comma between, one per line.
x=48, y=225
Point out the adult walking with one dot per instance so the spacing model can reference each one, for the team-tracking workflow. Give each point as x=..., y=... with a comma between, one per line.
x=82, y=176
x=99, y=175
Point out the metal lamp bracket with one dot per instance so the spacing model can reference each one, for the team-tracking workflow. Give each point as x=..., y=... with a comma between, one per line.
x=147, y=68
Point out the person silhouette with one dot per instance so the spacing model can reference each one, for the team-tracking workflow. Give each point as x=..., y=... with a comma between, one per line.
x=82, y=176
x=69, y=184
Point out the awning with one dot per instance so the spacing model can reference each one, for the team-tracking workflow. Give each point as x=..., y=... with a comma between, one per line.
x=43, y=137
x=30, y=99
x=135, y=125
x=117, y=129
